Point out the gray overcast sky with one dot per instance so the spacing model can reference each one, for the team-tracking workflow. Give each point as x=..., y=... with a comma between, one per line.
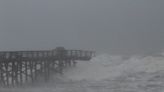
x=112, y=26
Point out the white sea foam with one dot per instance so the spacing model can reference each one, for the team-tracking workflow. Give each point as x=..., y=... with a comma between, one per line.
x=105, y=67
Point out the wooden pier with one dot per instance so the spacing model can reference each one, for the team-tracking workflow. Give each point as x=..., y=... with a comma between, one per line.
x=24, y=67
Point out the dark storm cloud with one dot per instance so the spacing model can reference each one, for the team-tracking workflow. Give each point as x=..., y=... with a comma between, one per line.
x=113, y=26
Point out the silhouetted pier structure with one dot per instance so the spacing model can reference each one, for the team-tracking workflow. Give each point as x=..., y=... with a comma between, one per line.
x=23, y=67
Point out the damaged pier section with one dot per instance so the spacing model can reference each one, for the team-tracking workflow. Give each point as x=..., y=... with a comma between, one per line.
x=24, y=67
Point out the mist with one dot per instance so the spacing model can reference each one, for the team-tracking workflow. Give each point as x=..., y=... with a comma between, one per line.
x=108, y=26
